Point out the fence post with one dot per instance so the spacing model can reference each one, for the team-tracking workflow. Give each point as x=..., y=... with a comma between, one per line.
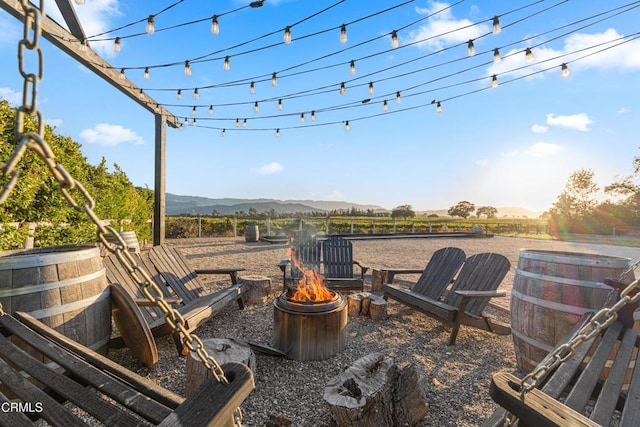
x=326, y=228
x=269, y=226
x=235, y=226
x=394, y=226
x=351, y=225
x=374, y=226
x=430, y=227
x=413, y=227
x=199, y=226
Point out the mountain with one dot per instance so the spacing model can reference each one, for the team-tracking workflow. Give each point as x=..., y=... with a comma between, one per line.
x=177, y=204
x=505, y=212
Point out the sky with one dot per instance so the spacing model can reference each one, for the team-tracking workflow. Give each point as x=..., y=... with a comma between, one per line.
x=515, y=144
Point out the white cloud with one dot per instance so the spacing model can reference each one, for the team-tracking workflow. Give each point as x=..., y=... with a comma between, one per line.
x=541, y=149
x=269, y=169
x=482, y=162
x=509, y=153
x=623, y=111
x=539, y=129
x=107, y=134
x=443, y=29
x=14, y=98
x=579, y=121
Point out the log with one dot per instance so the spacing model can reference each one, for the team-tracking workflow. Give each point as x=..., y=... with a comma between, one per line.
x=409, y=398
x=354, y=304
x=362, y=394
x=223, y=351
x=258, y=289
x=378, y=309
x=377, y=279
x=366, y=302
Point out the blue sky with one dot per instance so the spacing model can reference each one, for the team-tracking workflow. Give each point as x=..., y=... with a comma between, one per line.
x=512, y=145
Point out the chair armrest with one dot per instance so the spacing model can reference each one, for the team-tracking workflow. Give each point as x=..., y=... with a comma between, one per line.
x=231, y=271
x=144, y=302
x=283, y=264
x=363, y=269
x=481, y=294
x=389, y=274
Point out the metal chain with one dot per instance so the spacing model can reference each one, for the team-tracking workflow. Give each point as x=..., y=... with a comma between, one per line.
x=85, y=203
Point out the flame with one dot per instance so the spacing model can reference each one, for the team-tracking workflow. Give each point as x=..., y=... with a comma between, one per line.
x=311, y=286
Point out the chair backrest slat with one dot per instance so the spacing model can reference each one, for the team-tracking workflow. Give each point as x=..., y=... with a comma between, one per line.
x=337, y=259
x=439, y=272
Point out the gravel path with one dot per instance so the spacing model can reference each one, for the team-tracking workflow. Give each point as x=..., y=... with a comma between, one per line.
x=458, y=377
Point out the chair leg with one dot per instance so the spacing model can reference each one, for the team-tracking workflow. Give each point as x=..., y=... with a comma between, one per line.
x=458, y=321
x=240, y=303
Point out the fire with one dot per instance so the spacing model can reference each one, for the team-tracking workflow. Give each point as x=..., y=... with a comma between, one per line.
x=311, y=286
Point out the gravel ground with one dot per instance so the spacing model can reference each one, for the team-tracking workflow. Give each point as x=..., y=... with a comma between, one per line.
x=457, y=376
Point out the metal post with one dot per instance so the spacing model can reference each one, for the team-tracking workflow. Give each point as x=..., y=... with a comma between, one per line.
x=159, y=206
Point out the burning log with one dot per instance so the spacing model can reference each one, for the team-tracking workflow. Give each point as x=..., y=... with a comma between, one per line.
x=374, y=391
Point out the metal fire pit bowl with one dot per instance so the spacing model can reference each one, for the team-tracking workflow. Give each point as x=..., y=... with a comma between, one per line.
x=309, y=330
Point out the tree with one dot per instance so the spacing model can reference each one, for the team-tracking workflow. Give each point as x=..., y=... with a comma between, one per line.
x=488, y=211
x=577, y=201
x=462, y=209
x=403, y=211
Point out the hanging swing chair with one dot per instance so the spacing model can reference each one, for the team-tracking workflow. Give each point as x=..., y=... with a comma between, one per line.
x=72, y=373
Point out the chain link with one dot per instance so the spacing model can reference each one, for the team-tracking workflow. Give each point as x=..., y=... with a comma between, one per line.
x=67, y=184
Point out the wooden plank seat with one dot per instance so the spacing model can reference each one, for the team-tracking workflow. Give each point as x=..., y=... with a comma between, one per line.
x=180, y=285
x=102, y=389
x=337, y=263
x=306, y=250
x=464, y=303
x=598, y=385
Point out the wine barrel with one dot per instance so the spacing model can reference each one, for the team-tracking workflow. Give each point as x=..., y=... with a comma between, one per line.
x=551, y=291
x=65, y=287
x=251, y=233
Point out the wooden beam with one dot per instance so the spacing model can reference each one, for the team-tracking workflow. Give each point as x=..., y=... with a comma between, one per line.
x=70, y=17
x=160, y=182
x=71, y=45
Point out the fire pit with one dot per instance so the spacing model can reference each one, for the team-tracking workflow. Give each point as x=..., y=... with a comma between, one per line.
x=309, y=322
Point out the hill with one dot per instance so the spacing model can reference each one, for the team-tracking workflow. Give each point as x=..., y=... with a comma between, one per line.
x=505, y=212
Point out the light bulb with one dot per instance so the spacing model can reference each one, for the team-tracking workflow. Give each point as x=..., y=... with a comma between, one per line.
x=256, y=108
x=210, y=109
x=141, y=94
x=302, y=118
x=565, y=70
x=146, y=73
x=252, y=88
x=496, y=25
x=385, y=107
x=244, y=123
x=226, y=64
x=528, y=53
x=394, y=39
x=121, y=76
x=274, y=80
x=195, y=94
x=215, y=27
x=346, y=126
x=186, y=121
x=370, y=90
x=343, y=34
x=193, y=111
x=287, y=35
x=277, y=132
x=398, y=97
x=494, y=81
x=313, y=115
x=187, y=68
x=84, y=46
x=79, y=1
x=343, y=89
x=179, y=94
x=117, y=45
x=438, y=108
x=352, y=67
x=471, y=49
x=150, y=24
x=496, y=56
x=194, y=123
x=223, y=133
x=279, y=104
x=237, y=123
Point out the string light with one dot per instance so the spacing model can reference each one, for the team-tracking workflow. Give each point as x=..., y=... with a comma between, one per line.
x=150, y=24
x=370, y=88
x=439, y=108
x=195, y=94
x=313, y=115
x=179, y=94
x=346, y=126
x=117, y=45
x=496, y=56
x=80, y=2
x=274, y=80
x=398, y=97
x=471, y=49
x=343, y=34
x=256, y=108
x=121, y=74
x=494, y=81
x=244, y=123
x=278, y=133
x=186, y=121
x=565, y=70
x=302, y=118
x=385, y=107
x=226, y=65
x=279, y=104
x=287, y=35
x=528, y=53
x=194, y=123
x=352, y=67
x=187, y=68
x=496, y=25
x=343, y=89
x=84, y=46
x=146, y=73
x=210, y=109
x=141, y=94
x=193, y=111
x=215, y=27
x=394, y=39
x=252, y=88
x=223, y=133
x=237, y=123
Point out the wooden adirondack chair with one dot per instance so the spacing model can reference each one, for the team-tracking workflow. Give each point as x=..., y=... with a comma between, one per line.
x=180, y=285
x=338, y=262
x=436, y=276
x=307, y=250
x=103, y=389
x=599, y=384
x=464, y=303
